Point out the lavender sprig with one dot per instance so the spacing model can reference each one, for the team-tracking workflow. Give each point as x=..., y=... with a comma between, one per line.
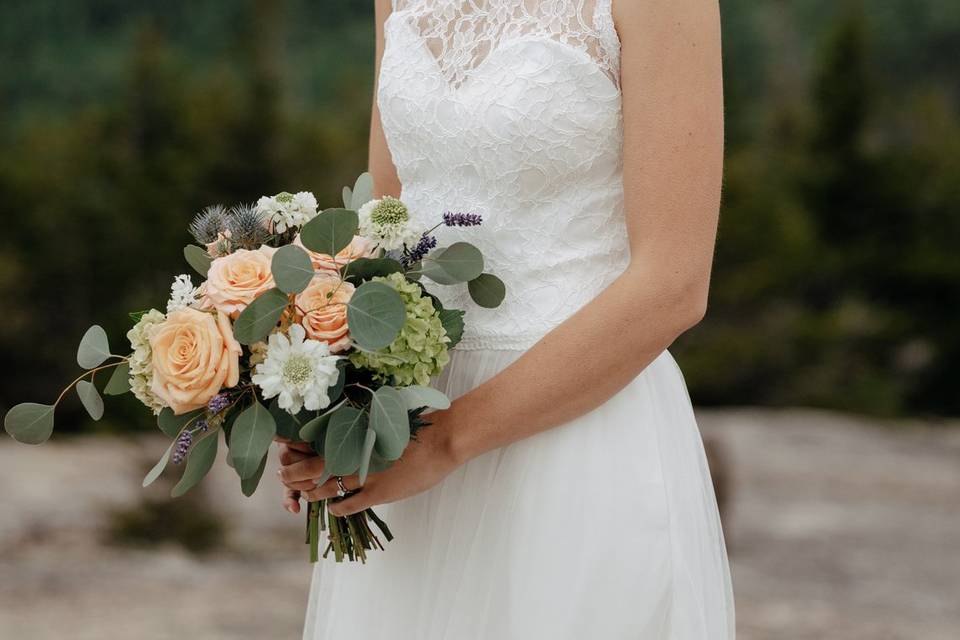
x=218, y=403
x=420, y=251
x=460, y=219
x=183, y=446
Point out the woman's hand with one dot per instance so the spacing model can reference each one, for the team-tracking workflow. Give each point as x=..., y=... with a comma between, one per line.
x=427, y=461
x=290, y=453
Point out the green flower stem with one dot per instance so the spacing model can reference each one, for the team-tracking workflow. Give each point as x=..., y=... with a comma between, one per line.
x=313, y=514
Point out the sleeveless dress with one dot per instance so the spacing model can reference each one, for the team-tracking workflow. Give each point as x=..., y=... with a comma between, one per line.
x=512, y=109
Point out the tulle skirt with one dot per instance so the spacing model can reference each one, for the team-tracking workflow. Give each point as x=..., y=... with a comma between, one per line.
x=605, y=527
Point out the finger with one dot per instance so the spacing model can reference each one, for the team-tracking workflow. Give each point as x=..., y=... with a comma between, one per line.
x=289, y=456
x=355, y=503
x=303, y=447
x=301, y=485
x=291, y=500
x=307, y=469
x=330, y=489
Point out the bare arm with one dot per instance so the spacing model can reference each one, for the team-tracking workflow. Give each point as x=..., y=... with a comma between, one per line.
x=673, y=156
x=381, y=167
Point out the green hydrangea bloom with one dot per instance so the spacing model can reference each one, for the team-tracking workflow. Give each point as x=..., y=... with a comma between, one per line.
x=420, y=351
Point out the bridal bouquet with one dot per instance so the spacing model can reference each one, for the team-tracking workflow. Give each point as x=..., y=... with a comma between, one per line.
x=312, y=327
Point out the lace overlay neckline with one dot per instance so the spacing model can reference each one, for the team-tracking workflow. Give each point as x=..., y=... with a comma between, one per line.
x=462, y=34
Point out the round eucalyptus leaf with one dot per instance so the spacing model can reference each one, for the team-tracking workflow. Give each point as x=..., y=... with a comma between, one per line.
x=257, y=321
x=343, y=444
x=250, y=438
x=417, y=397
x=119, y=382
x=363, y=269
x=249, y=485
x=347, y=198
x=452, y=321
x=90, y=398
x=315, y=430
x=199, y=461
x=487, y=290
x=158, y=468
x=460, y=262
x=362, y=191
x=388, y=417
x=291, y=268
x=369, y=440
x=198, y=259
x=94, y=348
x=375, y=315
x=330, y=232
x=29, y=422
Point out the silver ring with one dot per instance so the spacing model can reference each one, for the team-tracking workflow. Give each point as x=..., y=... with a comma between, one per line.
x=341, y=490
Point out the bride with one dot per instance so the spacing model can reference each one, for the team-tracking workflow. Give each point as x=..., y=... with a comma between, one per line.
x=565, y=493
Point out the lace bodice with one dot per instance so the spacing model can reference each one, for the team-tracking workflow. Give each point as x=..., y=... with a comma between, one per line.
x=512, y=109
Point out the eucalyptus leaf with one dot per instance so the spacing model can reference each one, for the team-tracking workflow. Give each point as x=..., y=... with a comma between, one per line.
x=94, y=348
x=287, y=425
x=199, y=461
x=416, y=397
x=460, y=262
x=119, y=382
x=315, y=430
x=378, y=463
x=363, y=269
x=291, y=269
x=331, y=231
x=249, y=485
x=171, y=424
x=250, y=438
x=375, y=315
x=336, y=390
x=343, y=444
x=388, y=417
x=487, y=290
x=29, y=422
x=158, y=468
x=369, y=440
x=362, y=191
x=452, y=321
x=347, y=198
x=198, y=259
x=257, y=321
x=90, y=398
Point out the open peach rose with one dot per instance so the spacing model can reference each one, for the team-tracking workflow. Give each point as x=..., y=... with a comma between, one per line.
x=359, y=247
x=322, y=310
x=194, y=356
x=236, y=280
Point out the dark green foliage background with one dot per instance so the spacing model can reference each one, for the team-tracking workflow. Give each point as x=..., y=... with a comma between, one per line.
x=837, y=281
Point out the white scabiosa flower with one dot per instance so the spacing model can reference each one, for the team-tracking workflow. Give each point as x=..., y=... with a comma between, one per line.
x=387, y=222
x=288, y=210
x=182, y=293
x=141, y=360
x=298, y=372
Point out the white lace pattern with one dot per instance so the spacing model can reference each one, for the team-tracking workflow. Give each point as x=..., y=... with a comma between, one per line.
x=512, y=109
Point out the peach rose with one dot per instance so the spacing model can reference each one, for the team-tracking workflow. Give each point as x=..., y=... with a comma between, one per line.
x=194, y=356
x=359, y=247
x=236, y=280
x=322, y=310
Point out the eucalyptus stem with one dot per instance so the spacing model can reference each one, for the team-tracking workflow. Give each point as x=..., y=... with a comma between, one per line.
x=89, y=372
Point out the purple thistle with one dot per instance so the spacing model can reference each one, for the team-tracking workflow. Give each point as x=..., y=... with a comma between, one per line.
x=218, y=403
x=184, y=440
x=462, y=219
x=420, y=251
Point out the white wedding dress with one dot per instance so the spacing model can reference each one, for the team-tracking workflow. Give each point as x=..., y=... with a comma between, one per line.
x=606, y=527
